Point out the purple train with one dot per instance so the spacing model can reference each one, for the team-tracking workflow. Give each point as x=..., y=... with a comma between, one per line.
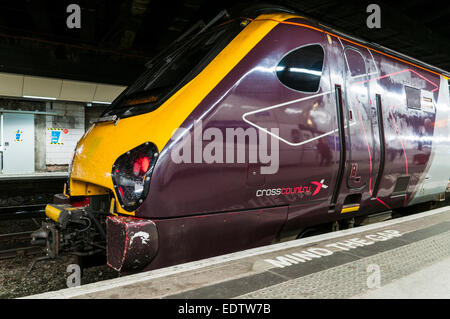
x=247, y=133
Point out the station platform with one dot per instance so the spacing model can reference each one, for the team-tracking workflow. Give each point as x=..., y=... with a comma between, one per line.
x=407, y=257
x=29, y=191
x=34, y=176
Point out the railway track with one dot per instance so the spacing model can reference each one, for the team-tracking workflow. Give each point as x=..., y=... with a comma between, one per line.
x=15, y=236
x=23, y=212
x=17, y=244
x=20, y=251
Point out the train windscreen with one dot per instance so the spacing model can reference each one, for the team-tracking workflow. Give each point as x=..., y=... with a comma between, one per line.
x=176, y=66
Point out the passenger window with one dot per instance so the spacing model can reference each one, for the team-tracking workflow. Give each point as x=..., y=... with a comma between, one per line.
x=355, y=62
x=412, y=97
x=301, y=69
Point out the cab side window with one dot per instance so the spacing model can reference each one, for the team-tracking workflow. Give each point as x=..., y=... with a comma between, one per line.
x=301, y=69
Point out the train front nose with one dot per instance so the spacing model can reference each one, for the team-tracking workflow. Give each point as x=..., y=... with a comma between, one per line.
x=115, y=159
x=109, y=179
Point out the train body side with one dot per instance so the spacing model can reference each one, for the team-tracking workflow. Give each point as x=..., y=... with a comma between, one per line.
x=411, y=150
x=392, y=155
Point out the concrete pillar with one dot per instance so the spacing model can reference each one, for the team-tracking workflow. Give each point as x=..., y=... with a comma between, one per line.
x=39, y=141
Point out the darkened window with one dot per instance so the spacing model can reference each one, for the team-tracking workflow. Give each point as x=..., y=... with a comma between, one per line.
x=301, y=69
x=355, y=62
x=412, y=97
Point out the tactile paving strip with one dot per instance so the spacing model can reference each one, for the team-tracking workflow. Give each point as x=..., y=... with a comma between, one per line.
x=351, y=279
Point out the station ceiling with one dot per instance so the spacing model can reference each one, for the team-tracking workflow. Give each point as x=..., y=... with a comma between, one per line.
x=116, y=38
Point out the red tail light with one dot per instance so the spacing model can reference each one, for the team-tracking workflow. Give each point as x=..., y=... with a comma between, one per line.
x=131, y=175
x=141, y=165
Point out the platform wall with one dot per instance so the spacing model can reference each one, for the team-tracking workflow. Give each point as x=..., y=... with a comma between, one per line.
x=63, y=131
x=55, y=135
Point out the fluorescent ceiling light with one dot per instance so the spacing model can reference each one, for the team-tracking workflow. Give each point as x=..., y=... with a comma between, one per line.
x=40, y=97
x=101, y=102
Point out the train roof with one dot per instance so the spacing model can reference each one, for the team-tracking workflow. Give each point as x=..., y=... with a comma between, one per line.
x=257, y=10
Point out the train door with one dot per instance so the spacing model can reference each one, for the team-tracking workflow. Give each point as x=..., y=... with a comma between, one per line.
x=358, y=116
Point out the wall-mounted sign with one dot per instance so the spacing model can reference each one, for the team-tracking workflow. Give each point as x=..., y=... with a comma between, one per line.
x=18, y=136
x=55, y=137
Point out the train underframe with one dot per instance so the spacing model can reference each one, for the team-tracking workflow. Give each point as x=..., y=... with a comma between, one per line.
x=84, y=227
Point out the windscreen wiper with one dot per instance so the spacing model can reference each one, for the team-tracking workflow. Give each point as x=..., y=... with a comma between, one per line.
x=169, y=57
x=198, y=24
x=223, y=13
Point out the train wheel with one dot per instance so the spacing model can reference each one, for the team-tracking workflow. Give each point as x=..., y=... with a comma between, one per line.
x=434, y=204
x=90, y=261
x=335, y=226
x=308, y=232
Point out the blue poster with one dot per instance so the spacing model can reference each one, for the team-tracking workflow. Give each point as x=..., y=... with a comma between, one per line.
x=18, y=136
x=55, y=136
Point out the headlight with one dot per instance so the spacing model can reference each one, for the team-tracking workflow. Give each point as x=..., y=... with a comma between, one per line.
x=131, y=174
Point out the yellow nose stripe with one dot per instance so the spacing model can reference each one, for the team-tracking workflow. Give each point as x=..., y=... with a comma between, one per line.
x=105, y=142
